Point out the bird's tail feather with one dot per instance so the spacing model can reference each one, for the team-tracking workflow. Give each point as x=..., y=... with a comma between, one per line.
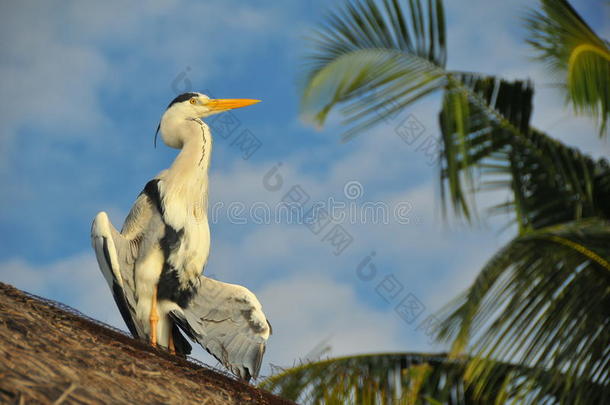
x=227, y=321
x=182, y=345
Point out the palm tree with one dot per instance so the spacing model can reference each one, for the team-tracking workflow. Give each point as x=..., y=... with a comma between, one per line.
x=534, y=326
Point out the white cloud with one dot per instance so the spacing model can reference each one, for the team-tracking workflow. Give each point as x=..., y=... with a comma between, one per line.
x=59, y=59
x=47, y=84
x=308, y=308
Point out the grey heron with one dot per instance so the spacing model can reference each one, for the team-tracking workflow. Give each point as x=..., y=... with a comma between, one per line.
x=154, y=265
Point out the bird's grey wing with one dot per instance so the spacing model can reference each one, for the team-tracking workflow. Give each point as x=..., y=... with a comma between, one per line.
x=117, y=253
x=228, y=321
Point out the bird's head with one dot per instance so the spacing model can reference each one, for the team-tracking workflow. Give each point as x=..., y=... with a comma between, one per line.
x=189, y=106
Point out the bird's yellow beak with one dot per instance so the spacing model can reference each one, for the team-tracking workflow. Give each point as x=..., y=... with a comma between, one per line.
x=223, y=104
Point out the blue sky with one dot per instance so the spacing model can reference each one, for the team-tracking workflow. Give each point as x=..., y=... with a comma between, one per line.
x=84, y=85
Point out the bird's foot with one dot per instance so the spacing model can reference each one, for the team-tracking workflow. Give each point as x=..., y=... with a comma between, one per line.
x=170, y=343
x=154, y=319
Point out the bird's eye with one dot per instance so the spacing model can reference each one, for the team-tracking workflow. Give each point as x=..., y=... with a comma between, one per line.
x=193, y=101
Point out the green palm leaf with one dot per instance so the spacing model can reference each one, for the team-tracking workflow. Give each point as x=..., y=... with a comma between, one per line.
x=571, y=48
x=393, y=378
x=478, y=121
x=356, y=79
x=370, y=48
x=542, y=301
x=413, y=378
x=485, y=125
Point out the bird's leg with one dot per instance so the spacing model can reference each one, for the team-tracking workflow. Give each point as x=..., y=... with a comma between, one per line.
x=154, y=318
x=170, y=341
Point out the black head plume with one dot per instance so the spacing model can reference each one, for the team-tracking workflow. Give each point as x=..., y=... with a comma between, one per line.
x=157, y=133
x=182, y=97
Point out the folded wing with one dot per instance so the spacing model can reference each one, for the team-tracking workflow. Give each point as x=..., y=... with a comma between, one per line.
x=116, y=256
x=117, y=253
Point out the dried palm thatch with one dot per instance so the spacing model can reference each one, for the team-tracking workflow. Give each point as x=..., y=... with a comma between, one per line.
x=52, y=354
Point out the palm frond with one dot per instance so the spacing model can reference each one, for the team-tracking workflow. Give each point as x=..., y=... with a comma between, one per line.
x=370, y=48
x=412, y=378
x=391, y=378
x=477, y=121
x=571, y=48
x=485, y=125
x=371, y=84
x=542, y=301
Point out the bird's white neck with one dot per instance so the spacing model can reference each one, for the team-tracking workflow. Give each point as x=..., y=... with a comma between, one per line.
x=186, y=180
x=194, y=159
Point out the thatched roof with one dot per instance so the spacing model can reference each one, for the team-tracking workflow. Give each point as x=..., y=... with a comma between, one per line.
x=52, y=354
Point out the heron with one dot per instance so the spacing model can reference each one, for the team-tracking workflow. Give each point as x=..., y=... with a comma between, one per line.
x=154, y=265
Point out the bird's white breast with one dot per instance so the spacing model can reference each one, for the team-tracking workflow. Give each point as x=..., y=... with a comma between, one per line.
x=186, y=211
